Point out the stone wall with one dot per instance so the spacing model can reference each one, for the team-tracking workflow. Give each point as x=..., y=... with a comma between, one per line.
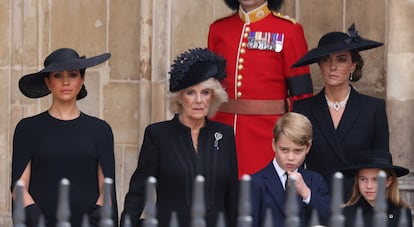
x=143, y=36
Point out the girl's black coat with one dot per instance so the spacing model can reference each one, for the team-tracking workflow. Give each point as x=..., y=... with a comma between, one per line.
x=368, y=213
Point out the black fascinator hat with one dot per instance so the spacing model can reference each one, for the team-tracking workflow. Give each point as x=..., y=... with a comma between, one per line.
x=34, y=86
x=273, y=5
x=381, y=159
x=194, y=66
x=334, y=42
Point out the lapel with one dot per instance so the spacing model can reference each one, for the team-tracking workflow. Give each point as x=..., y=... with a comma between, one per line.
x=208, y=158
x=324, y=121
x=274, y=185
x=351, y=113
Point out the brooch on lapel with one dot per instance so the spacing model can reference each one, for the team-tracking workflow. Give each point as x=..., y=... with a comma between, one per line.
x=218, y=136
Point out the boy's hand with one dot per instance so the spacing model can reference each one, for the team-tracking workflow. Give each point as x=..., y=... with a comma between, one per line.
x=301, y=187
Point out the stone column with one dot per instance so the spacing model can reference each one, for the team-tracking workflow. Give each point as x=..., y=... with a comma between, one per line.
x=160, y=54
x=400, y=89
x=145, y=41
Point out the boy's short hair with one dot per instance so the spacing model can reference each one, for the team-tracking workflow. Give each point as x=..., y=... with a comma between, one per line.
x=296, y=127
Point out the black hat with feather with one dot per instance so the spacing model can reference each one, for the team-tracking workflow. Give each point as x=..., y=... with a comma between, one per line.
x=194, y=66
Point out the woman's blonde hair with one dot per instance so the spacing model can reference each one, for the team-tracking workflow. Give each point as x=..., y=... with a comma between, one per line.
x=219, y=95
x=392, y=192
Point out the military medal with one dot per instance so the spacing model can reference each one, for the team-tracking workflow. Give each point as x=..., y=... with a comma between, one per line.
x=250, y=40
x=279, y=38
x=258, y=40
x=265, y=41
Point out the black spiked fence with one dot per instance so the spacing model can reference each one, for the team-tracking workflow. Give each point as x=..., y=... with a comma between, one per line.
x=198, y=209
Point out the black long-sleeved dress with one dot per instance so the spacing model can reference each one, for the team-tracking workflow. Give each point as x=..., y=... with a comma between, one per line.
x=60, y=149
x=167, y=153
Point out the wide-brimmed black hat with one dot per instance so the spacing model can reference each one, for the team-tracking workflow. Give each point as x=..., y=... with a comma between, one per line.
x=381, y=159
x=194, y=66
x=334, y=42
x=34, y=86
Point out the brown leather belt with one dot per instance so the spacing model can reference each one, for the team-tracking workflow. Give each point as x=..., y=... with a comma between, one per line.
x=254, y=107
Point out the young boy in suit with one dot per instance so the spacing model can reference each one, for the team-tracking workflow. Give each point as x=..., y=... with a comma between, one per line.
x=292, y=139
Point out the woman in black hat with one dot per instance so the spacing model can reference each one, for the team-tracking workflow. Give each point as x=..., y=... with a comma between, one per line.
x=62, y=142
x=364, y=191
x=345, y=122
x=177, y=150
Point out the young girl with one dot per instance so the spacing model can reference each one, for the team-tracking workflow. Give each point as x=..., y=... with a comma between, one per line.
x=364, y=191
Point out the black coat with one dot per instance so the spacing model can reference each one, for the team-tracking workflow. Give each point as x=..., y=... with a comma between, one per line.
x=167, y=153
x=363, y=126
x=368, y=213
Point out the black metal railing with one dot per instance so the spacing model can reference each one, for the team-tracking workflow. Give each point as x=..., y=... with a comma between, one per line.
x=198, y=208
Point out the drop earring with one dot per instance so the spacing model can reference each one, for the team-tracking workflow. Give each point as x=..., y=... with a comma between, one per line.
x=351, y=76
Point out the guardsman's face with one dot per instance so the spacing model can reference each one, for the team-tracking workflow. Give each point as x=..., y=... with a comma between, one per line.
x=249, y=5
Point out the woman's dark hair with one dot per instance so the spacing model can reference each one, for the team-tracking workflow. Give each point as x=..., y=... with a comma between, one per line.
x=82, y=72
x=273, y=5
x=357, y=74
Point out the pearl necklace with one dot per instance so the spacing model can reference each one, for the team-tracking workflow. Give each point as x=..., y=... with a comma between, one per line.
x=337, y=105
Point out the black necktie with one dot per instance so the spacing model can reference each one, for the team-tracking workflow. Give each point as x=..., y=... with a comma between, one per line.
x=286, y=180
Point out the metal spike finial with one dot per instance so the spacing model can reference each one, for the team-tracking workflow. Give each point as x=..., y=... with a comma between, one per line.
x=314, y=221
x=403, y=219
x=127, y=221
x=245, y=218
x=268, y=221
x=150, y=209
x=198, y=208
x=85, y=221
x=42, y=222
x=359, y=220
x=337, y=219
x=292, y=207
x=174, y=220
x=63, y=207
x=380, y=208
x=221, y=222
x=19, y=216
x=106, y=209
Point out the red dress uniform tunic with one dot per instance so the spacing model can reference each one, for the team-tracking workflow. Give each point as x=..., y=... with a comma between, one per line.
x=260, y=48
